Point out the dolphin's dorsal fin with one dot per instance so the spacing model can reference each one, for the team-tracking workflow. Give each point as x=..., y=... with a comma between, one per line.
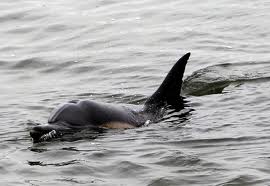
x=169, y=90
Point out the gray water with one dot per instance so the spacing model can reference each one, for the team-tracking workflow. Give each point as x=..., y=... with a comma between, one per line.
x=119, y=52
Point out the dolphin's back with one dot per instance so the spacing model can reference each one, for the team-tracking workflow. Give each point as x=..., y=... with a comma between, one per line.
x=92, y=113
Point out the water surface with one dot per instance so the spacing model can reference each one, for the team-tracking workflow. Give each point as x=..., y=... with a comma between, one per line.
x=119, y=52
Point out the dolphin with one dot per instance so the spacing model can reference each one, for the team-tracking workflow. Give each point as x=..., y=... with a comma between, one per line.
x=87, y=114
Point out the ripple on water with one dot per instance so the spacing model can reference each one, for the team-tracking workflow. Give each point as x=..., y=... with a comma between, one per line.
x=214, y=79
x=59, y=164
x=244, y=179
x=178, y=159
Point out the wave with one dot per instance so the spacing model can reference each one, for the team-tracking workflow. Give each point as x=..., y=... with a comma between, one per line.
x=214, y=79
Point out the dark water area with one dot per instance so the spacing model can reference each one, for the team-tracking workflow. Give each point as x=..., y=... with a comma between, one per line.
x=119, y=52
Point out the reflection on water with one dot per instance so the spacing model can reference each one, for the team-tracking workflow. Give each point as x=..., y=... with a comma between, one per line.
x=119, y=52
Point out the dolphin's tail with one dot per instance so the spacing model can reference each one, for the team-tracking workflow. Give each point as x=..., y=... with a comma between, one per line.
x=169, y=90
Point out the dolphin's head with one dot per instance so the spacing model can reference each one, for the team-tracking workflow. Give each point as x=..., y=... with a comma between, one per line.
x=44, y=132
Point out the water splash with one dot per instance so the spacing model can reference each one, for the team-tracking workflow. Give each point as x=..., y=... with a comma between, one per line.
x=214, y=79
x=48, y=136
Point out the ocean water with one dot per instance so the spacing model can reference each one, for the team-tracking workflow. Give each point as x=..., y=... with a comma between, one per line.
x=119, y=52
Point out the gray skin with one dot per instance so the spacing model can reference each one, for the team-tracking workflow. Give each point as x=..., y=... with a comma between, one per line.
x=77, y=115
